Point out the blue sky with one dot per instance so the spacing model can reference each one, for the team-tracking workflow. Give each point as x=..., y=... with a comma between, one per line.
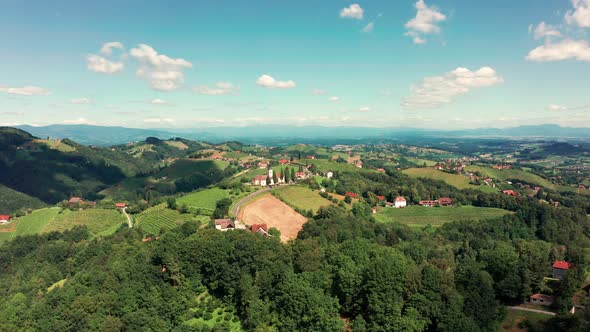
x=416, y=63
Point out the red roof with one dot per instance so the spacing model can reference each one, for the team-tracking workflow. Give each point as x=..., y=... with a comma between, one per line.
x=381, y=198
x=260, y=177
x=74, y=200
x=563, y=265
x=120, y=205
x=400, y=199
x=224, y=223
x=351, y=195
x=284, y=161
x=445, y=200
x=4, y=217
x=543, y=297
x=256, y=227
x=381, y=170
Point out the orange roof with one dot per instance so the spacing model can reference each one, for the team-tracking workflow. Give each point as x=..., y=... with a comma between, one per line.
x=563, y=265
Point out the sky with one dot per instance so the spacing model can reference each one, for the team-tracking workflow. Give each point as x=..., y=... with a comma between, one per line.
x=444, y=64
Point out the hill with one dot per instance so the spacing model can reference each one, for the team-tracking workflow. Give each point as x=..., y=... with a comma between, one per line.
x=12, y=201
x=455, y=180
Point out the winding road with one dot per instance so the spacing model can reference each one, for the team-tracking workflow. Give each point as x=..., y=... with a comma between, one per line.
x=533, y=310
x=128, y=217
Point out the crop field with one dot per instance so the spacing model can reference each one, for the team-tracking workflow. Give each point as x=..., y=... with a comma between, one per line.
x=203, y=199
x=302, y=197
x=97, y=220
x=159, y=217
x=271, y=211
x=419, y=216
x=35, y=222
x=455, y=180
x=177, y=144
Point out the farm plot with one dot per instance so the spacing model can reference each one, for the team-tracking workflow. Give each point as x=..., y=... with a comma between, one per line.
x=159, y=217
x=418, y=216
x=203, y=199
x=302, y=197
x=97, y=220
x=455, y=180
x=35, y=222
x=271, y=211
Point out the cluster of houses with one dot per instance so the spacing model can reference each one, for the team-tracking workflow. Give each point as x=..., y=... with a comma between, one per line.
x=225, y=225
x=79, y=201
x=560, y=268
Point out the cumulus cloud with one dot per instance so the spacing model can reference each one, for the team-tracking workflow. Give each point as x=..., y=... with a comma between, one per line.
x=80, y=101
x=580, y=14
x=554, y=107
x=365, y=109
x=563, y=50
x=269, y=82
x=99, y=64
x=334, y=99
x=77, y=121
x=162, y=72
x=437, y=91
x=369, y=27
x=159, y=120
x=318, y=92
x=158, y=102
x=26, y=91
x=221, y=88
x=424, y=23
x=544, y=30
x=107, y=48
x=353, y=11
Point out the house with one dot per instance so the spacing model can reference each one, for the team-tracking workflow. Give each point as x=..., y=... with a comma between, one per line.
x=224, y=224
x=381, y=198
x=380, y=170
x=260, y=180
x=428, y=203
x=300, y=175
x=284, y=161
x=120, y=205
x=311, y=157
x=351, y=194
x=445, y=201
x=581, y=186
x=4, y=218
x=541, y=299
x=76, y=200
x=438, y=167
x=262, y=164
x=330, y=175
x=560, y=268
x=510, y=193
x=400, y=202
x=260, y=229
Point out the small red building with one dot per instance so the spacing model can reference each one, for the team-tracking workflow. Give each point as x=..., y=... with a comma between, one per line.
x=511, y=193
x=4, y=218
x=284, y=161
x=445, y=201
x=120, y=205
x=560, y=268
x=351, y=194
x=76, y=200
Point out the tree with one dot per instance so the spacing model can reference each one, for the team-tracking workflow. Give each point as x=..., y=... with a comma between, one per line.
x=222, y=208
x=293, y=177
x=347, y=199
x=171, y=201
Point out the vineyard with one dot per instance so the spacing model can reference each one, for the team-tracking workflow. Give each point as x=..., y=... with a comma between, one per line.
x=97, y=220
x=203, y=200
x=159, y=217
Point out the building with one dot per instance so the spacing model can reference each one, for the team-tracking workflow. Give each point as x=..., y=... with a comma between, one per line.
x=380, y=170
x=76, y=200
x=428, y=203
x=560, y=268
x=120, y=205
x=541, y=299
x=300, y=175
x=260, y=180
x=400, y=202
x=381, y=198
x=262, y=164
x=510, y=193
x=374, y=210
x=351, y=194
x=445, y=201
x=311, y=157
x=260, y=229
x=4, y=218
x=284, y=161
x=224, y=224
x=330, y=175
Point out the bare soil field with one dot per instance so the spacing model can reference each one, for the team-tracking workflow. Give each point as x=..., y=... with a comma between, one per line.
x=269, y=210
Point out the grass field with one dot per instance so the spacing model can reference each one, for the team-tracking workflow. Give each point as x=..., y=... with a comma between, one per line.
x=515, y=317
x=455, y=180
x=186, y=167
x=12, y=200
x=177, y=144
x=302, y=197
x=327, y=165
x=97, y=220
x=159, y=217
x=203, y=199
x=35, y=222
x=418, y=216
x=505, y=174
x=56, y=145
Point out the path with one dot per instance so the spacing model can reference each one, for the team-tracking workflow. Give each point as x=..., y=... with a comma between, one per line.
x=533, y=310
x=128, y=217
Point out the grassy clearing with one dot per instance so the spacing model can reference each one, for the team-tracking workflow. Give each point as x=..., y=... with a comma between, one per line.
x=159, y=217
x=328, y=165
x=177, y=144
x=186, y=167
x=35, y=222
x=203, y=199
x=56, y=145
x=418, y=216
x=455, y=180
x=97, y=220
x=58, y=284
x=515, y=317
x=505, y=174
x=302, y=197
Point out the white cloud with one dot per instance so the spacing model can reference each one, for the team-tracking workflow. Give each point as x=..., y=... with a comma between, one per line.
x=26, y=91
x=424, y=23
x=158, y=102
x=437, y=91
x=365, y=109
x=385, y=93
x=99, y=64
x=554, y=107
x=563, y=50
x=221, y=88
x=544, y=30
x=107, y=48
x=580, y=15
x=162, y=72
x=334, y=99
x=369, y=27
x=78, y=121
x=353, y=11
x=267, y=81
x=318, y=92
x=80, y=101
x=159, y=120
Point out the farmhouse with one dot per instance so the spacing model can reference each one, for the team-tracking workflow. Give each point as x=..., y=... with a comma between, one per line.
x=4, y=218
x=262, y=164
x=284, y=161
x=76, y=200
x=260, y=180
x=511, y=193
x=438, y=167
x=351, y=194
x=541, y=299
x=400, y=202
x=445, y=201
x=560, y=268
x=330, y=175
x=428, y=203
x=300, y=175
x=224, y=224
x=260, y=229
x=120, y=205
x=311, y=157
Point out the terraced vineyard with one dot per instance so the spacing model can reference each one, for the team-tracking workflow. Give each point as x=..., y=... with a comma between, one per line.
x=97, y=220
x=35, y=222
x=159, y=217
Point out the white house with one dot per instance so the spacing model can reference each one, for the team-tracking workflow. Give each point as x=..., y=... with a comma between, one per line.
x=260, y=180
x=400, y=202
x=329, y=175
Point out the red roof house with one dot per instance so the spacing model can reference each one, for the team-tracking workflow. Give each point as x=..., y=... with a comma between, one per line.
x=560, y=268
x=75, y=200
x=259, y=228
x=224, y=224
x=351, y=194
x=4, y=218
x=380, y=170
x=284, y=161
x=444, y=201
x=381, y=198
x=121, y=205
x=511, y=193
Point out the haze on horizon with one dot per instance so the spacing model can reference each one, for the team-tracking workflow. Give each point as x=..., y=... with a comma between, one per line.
x=184, y=64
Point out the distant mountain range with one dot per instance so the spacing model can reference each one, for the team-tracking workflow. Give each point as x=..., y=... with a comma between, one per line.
x=274, y=134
